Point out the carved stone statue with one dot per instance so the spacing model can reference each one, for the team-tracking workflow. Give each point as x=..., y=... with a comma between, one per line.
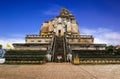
x=49, y=57
x=69, y=57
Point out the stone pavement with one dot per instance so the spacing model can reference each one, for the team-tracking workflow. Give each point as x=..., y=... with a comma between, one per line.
x=59, y=71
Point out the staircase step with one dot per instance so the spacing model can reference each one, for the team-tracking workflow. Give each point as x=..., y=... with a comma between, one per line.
x=59, y=49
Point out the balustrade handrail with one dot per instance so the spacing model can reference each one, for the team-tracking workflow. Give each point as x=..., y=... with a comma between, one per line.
x=53, y=46
x=64, y=41
x=66, y=49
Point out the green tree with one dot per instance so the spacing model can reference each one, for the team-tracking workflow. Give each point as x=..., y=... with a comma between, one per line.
x=118, y=51
x=0, y=46
x=111, y=49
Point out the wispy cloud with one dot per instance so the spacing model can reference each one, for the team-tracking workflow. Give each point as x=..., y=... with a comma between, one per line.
x=13, y=38
x=52, y=10
x=103, y=35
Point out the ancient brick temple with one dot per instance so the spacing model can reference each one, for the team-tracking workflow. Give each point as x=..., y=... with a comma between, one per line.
x=59, y=37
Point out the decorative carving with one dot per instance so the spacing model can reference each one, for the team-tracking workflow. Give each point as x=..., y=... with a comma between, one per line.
x=59, y=21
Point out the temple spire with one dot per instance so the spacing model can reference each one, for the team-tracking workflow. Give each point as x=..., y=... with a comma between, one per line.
x=65, y=12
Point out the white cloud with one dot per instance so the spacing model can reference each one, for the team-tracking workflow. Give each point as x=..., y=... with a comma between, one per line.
x=12, y=39
x=103, y=35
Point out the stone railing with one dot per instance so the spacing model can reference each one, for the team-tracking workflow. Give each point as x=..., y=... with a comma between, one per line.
x=86, y=36
x=88, y=47
x=35, y=35
x=100, y=61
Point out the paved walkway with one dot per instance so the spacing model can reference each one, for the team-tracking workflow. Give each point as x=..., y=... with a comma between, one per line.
x=59, y=71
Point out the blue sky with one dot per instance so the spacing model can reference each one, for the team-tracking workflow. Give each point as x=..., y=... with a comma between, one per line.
x=101, y=18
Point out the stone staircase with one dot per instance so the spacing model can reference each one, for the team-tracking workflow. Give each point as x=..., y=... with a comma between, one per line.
x=59, y=50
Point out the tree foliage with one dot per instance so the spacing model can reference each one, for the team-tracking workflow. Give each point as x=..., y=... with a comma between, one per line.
x=0, y=46
x=110, y=48
x=118, y=51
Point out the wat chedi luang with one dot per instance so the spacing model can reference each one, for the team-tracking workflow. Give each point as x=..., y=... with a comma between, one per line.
x=59, y=37
x=59, y=40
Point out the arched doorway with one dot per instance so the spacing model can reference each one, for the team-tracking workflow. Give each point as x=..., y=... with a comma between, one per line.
x=59, y=32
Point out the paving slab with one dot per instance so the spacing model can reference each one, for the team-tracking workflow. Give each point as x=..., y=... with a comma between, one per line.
x=60, y=71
